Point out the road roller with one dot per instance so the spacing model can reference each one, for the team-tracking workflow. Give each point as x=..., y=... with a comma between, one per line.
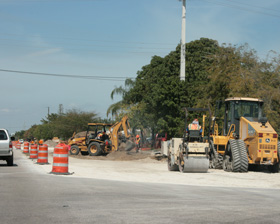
x=190, y=153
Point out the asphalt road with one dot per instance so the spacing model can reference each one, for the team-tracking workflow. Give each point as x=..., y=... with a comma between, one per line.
x=29, y=195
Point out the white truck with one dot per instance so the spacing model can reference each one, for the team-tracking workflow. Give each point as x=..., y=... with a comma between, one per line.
x=6, y=147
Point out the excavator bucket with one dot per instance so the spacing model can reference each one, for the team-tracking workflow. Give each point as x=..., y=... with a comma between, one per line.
x=196, y=164
x=129, y=145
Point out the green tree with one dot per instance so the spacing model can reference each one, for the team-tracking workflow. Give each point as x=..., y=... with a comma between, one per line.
x=213, y=72
x=62, y=125
x=158, y=96
x=19, y=134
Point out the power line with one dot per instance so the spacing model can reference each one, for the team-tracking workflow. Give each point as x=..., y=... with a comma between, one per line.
x=48, y=1
x=103, y=46
x=91, y=51
x=240, y=8
x=93, y=40
x=255, y=6
x=106, y=78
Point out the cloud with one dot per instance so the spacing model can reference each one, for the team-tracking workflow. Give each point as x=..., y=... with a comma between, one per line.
x=5, y=110
x=45, y=52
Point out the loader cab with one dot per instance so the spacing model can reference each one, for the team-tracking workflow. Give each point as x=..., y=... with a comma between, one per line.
x=97, y=131
x=238, y=107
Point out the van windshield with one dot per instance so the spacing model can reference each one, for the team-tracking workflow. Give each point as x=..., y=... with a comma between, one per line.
x=3, y=135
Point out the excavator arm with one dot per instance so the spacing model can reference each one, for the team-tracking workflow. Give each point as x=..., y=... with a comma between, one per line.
x=124, y=124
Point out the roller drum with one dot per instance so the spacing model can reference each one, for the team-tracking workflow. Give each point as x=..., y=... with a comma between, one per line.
x=196, y=164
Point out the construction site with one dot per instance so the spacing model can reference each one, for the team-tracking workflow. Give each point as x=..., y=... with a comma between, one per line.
x=244, y=141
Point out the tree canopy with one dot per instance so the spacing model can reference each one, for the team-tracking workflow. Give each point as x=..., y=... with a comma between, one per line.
x=60, y=125
x=156, y=98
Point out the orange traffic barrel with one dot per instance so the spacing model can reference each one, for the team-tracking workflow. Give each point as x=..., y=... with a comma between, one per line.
x=26, y=147
x=43, y=154
x=146, y=149
x=60, y=160
x=33, y=152
x=18, y=146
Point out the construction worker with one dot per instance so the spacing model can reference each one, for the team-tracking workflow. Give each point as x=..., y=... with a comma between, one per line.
x=137, y=143
x=194, y=126
x=41, y=142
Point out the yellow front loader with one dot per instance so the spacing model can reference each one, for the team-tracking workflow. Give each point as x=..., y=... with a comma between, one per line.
x=247, y=140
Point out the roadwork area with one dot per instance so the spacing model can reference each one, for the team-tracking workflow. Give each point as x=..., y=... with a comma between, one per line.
x=143, y=167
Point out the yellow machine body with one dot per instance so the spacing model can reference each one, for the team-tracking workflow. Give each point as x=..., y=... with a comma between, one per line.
x=250, y=133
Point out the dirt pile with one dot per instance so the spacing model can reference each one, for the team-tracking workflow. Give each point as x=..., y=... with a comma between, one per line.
x=50, y=143
x=126, y=156
x=117, y=156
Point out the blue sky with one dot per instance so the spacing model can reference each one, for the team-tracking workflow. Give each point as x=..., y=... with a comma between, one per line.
x=107, y=38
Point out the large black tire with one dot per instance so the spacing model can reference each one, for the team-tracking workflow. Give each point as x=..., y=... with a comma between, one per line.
x=94, y=149
x=244, y=163
x=235, y=159
x=171, y=167
x=74, y=150
x=10, y=161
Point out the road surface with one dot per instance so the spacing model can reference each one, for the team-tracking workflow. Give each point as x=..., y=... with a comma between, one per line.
x=31, y=195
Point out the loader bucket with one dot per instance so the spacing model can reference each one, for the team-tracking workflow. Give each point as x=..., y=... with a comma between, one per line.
x=129, y=145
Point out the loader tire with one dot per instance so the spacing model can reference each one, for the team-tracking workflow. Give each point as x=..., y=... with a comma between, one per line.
x=244, y=163
x=94, y=149
x=74, y=150
x=231, y=162
x=235, y=159
x=171, y=167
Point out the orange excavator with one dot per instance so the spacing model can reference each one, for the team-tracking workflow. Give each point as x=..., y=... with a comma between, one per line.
x=102, y=138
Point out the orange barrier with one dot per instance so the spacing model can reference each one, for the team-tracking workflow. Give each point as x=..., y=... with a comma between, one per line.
x=60, y=159
x=33, y=152
x=26, y=147
x=18, y=146
x=43, y=154
x=145, y=149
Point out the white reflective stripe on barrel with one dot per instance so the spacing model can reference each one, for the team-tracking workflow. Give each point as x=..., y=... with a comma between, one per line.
x=42, y=157
x=61, y=164
x=60, y=155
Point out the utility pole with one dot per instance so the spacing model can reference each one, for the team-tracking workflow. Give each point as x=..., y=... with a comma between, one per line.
x=183, y=43
x=60, y=109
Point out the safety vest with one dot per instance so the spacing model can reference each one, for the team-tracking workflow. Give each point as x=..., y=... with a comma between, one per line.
x=194, y=127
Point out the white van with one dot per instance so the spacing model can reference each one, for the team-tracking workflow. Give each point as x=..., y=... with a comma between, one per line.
x=6, y=147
